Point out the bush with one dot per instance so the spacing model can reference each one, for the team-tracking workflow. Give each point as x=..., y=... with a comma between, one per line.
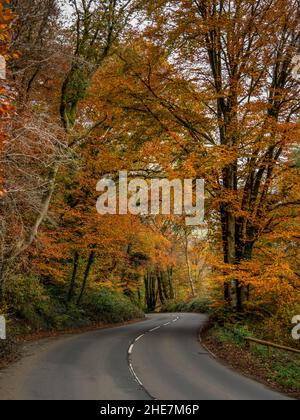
x=198, y=305
x=201, y=306
x=110, y=307
x=30, y=301
x=36, y=307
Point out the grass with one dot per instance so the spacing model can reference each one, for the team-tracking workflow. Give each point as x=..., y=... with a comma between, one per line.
x=274, y=367
x=287, y=375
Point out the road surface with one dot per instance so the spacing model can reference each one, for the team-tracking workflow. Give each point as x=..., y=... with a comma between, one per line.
x=128, y=363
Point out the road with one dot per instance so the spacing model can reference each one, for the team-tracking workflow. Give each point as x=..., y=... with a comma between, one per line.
x=128, y=363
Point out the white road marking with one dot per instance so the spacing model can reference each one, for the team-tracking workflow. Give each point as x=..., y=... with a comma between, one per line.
x=135, y=375
x=155, y=329
x=131, y=348
x=137, y=339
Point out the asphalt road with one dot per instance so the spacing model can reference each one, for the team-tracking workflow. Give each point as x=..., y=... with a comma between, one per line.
x=128, y=363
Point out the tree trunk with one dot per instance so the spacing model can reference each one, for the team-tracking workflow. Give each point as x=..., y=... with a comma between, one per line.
x=86, y=275
x=160, y=287
x=171, y=287
x=150, y=291
x=233, y=291
x=74, y=276
x=26, y=242
x=188, y=265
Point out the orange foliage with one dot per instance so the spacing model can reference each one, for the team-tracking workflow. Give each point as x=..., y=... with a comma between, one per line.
x=5, y=106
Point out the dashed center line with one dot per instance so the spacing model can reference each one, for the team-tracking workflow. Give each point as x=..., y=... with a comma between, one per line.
x=137, y=339
x=131, y=348
x=135, y=375
x=155, y=329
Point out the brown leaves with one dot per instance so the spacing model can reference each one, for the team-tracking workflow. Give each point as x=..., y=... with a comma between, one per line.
x=5, y=96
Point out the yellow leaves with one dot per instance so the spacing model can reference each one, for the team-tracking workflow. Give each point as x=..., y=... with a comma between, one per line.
x=270, y=277
x=5, y=105
x=6, y=17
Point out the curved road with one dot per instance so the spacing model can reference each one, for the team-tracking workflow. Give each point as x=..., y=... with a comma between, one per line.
x=128, y=363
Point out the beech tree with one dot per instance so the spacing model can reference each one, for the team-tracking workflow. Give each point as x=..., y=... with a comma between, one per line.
x=34, y=34
x=204, y=89
x=98, y=28
x=234, y=118
x=6, y=95
x=54, y=70
x=6, y=18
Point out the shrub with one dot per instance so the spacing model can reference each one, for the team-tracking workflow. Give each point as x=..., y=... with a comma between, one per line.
x=30, y=301
x=37, y=307
x=197, y=305
x=108, y=306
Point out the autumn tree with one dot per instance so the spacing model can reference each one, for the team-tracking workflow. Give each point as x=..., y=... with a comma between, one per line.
x=6, y=93
x=51, y=85
x=97, y=29
x=6, y=18
x=240, y=125
x=35, y=32
x=204, y=90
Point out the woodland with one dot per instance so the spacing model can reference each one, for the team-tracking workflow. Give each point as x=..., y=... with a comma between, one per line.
x=179, y=89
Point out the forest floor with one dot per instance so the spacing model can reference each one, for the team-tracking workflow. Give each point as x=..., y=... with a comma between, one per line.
x=276, y=369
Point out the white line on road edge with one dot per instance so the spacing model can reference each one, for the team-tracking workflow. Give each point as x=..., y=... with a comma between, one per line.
x=209, y=352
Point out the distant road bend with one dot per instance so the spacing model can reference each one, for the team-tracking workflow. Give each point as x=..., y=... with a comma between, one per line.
x=159, y=358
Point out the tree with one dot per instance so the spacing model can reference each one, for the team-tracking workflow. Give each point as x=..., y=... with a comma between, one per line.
x=242, y=121
x=35, y=38
x=97, y=29
x=87, y=41
x=6, y=18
